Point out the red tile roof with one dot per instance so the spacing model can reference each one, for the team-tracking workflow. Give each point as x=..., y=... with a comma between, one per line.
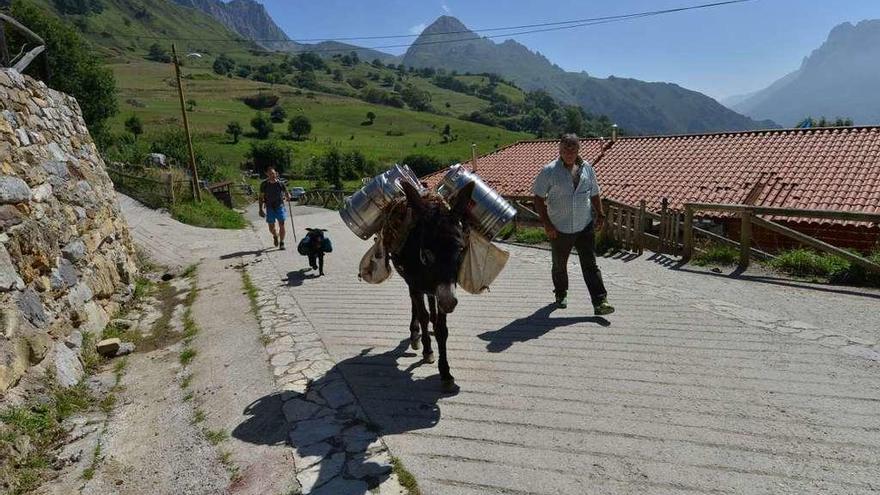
x=512, y=169
x=830, y=168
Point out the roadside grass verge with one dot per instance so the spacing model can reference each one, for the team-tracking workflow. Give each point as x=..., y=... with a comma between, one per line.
x=716, y=254
x=809, y=264
x=31, y=432
x=208, y=213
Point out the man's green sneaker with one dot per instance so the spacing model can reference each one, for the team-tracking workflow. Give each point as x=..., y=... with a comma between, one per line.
x=603, y=308
x=562, y=302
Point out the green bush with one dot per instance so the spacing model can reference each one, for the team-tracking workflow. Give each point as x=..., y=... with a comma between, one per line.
x=208, y=213
x=810, y=264
x=260, y=101
x=717, y=254
x=531, y=235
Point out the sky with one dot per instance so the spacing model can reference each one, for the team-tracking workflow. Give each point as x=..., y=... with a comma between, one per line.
x=721, y=51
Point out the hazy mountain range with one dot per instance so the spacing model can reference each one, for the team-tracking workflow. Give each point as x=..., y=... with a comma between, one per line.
x=839, y=79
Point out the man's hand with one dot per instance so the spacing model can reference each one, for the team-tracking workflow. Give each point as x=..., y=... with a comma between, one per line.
x=551, y=232
x=600, y=221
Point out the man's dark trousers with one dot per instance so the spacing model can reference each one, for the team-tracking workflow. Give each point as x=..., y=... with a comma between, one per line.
x=561, y=249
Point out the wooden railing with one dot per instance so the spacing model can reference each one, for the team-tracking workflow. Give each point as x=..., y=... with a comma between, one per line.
x=751, y=215
x=325, y=198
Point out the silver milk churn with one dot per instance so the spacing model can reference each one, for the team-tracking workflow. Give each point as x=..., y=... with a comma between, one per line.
x=363, y=212
x=490, y=212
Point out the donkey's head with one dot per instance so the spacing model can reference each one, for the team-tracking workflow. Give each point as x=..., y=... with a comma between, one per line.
x=435, y=245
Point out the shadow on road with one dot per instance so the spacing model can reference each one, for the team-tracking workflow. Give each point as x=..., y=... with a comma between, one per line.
x=335, y=443
x=534, y=326
x=239, y=254
x=296, y=278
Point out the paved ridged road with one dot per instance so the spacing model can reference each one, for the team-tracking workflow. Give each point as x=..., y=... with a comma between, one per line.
x=683, y=390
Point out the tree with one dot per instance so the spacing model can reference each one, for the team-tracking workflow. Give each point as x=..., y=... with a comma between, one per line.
x=447, y=133
x=234, y=129
x=173, y=144
x=278, y=114
x=158, y=54
x=299, y=127
x=134, y=125
x=574, y=120
x=223, y=65
x=268, y=154
x=422, y=164
x=332, y=165
x=190, y=105
x=72, y=67
x=337, y=75
x=371, y=117
x=79, y=7
x=262, y=125
x=417, y=99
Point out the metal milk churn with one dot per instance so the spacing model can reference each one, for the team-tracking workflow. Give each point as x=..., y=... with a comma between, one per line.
x=363, y=212
x=490, y=212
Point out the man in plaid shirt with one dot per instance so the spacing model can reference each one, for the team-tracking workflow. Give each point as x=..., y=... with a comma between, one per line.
x=567, y=199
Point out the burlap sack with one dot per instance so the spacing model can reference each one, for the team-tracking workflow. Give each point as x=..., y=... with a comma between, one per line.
x=482, y=263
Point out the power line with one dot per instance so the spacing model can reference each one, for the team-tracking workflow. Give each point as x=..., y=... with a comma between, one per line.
x=545, y=27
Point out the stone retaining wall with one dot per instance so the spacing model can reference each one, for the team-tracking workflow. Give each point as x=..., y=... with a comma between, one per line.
x=66, y=258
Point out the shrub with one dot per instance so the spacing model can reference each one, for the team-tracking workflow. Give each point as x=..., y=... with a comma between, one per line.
x=422, y=164
x=234, y=129
x=299, y=127
x=530, y=235
x=262, y=125
x=172, y=144
x=134, y=125
x=269, y=154
x=260, y=101
x=278, y=114
x=158, y=54
x=717, y=254
x=72, y=67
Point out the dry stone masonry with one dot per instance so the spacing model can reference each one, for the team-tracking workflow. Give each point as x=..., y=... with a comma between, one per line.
x=66, y=258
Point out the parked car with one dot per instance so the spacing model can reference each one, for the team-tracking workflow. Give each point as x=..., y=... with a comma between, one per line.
x=296, y=193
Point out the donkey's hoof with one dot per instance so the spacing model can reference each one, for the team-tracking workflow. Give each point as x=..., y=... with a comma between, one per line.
x=415, y=342
x=429, y=358
x=448, y=385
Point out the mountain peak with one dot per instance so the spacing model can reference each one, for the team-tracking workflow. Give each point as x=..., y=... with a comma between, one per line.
x=445, y=24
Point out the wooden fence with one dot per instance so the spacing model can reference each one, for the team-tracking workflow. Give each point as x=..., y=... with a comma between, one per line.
x=673, y=232
x=154, y=191
x=325, y=198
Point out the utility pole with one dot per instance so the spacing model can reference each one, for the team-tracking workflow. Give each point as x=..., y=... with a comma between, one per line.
x=197, y=193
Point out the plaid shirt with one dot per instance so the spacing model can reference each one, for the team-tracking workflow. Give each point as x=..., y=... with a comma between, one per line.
x=568, y=207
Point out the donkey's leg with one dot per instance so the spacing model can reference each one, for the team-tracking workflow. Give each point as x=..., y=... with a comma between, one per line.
x=441, y=332
x=416, y=303
x=432, y=311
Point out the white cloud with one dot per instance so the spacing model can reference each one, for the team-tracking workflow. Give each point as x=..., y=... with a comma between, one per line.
x=445, y=8
x=418, y=28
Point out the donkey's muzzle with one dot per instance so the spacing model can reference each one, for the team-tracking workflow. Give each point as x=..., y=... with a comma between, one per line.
x=446, y=300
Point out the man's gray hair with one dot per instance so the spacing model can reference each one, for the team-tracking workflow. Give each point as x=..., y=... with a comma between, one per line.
x=569, y=141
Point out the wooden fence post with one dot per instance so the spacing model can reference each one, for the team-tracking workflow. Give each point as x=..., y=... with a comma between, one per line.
x=640, y=233
x=688, y=240
x=745, y=237
x=664, y=204
x=169, y=187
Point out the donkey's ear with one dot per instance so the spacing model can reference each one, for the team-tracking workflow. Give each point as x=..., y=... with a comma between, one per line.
x=412, y=196
x=463, y=200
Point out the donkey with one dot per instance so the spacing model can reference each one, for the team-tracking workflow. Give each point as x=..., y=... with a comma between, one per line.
x=428, y=261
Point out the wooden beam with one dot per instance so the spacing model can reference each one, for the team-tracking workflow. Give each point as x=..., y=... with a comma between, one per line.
x=856, y=216
x=816, y=243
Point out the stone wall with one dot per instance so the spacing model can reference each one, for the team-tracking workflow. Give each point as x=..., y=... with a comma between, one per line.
x=66, y=257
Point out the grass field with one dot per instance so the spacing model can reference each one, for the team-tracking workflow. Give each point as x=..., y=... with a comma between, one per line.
x=146, y=89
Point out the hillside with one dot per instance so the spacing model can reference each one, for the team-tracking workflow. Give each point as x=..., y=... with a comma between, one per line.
x=125, y=28
x=638, y=106
x=839, y=79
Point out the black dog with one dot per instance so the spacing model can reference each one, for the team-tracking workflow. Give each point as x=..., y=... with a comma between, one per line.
x=314, y=245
